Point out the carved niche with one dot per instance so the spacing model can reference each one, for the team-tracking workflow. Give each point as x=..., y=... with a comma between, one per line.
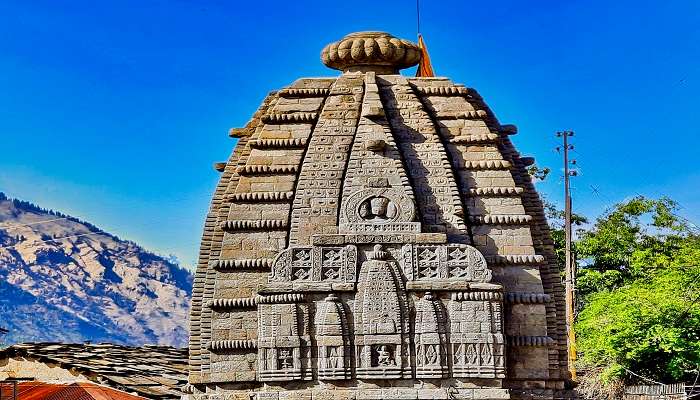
x=332, y=340
x=431, y=346
x=381, y=320
x=283, y=350
x=378, y=208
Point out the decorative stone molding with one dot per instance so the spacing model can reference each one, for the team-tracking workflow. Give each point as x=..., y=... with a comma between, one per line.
x=500, y=219
x=471, y=114
x=303, y=92
x=372, y=238
x=290, y=118
x=508, y=129
x=515, y=259
x=442, y=90
x=252, y=302
x=530, y=341
x=217, y=345
x=496, y=191
x=371, y=51
x=247, y=263
x=266, y=169
x=527, y=298
x=476, y=296
x=245, y=225
x=219, y=166
x=261, y=196
x=281, y=298
x=487, y=164
x=472, y=139
x=239, y=132
x=241, y=302
x=292, y=143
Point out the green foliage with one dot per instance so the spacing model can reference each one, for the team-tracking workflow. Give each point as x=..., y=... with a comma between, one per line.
x=640, y=288
x=556, y=218
x=651, y=326
x=631, y=241
x=538, y=173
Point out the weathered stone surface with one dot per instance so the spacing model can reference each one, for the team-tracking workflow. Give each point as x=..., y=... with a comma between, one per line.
x=375, y=237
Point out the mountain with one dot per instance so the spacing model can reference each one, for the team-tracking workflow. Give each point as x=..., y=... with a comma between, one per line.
x=65, y=280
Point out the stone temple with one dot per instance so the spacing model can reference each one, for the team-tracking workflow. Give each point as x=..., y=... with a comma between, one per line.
x=376, y=236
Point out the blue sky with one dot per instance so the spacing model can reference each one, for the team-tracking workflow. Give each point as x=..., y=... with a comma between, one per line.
x=115, y=111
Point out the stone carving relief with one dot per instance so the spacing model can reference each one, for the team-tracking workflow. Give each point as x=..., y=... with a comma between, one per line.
x=444, y=262
x=367, y=332
x=477, y=345
x=431, y=350
x=283, y=352
x=381, y=317
x=315, y=264
x=332, y=340
x=378, y=209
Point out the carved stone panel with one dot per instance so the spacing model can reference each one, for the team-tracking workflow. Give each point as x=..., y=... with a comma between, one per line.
x=332, y=340
x=477, y=345
x=283, y=352
x=381, y=317
x=430, y=339
x=378, y=209
x=316, y=264
x=449, y=262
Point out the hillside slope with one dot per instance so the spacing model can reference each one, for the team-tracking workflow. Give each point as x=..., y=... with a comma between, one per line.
x=62, y=279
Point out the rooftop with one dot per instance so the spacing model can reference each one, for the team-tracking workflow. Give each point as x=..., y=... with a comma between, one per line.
x=154, y=372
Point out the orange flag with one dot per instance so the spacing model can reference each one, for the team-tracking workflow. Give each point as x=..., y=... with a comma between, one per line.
x=425, y=69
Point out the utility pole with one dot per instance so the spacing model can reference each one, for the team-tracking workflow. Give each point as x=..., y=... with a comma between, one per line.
x=570, y=266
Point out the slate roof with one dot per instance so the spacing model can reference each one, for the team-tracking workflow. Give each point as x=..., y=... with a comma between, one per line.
x=154, y=372
x=73, y=391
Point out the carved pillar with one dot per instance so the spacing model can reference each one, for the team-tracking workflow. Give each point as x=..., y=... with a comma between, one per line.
x=332, y=340
x=283, y=353
x=476, y=335
x=431, y=355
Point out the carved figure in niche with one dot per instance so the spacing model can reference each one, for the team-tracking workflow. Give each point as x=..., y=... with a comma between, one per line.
x=383, y=356
x=378, y=208
x=431, y=355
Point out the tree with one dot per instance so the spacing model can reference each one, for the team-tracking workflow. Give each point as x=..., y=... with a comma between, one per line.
x=631, y=241
x=640, y=287
x=555, y=218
